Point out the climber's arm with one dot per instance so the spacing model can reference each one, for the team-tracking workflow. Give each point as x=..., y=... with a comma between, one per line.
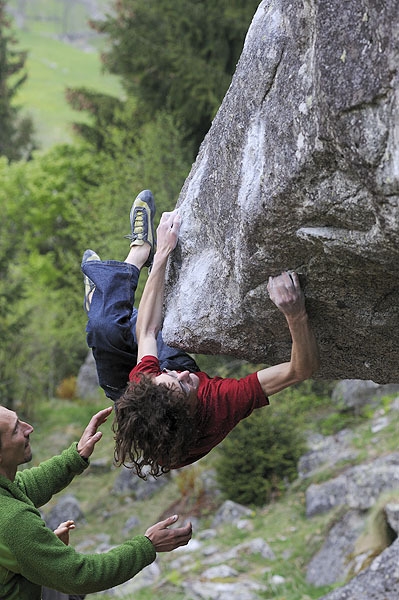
x=149, y=318
x=285, y=292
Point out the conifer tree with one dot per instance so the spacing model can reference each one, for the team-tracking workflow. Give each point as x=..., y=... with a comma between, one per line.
x=174, y=56
x=16, y=133
x=108, y=113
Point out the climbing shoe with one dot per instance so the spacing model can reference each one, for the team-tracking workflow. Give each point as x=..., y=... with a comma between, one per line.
x=142, y=223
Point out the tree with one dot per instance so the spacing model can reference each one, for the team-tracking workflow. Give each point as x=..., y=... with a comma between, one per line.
x=11, y=292
x=47, y=216
x=176, y=55
x=53, y=208
x=16, y=133
x=109, y=115
x=259, y=457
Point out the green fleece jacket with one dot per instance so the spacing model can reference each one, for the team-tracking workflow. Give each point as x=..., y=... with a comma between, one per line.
x=31, y=555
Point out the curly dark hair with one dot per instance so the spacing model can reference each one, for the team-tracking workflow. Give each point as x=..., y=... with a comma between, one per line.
x=153, y=427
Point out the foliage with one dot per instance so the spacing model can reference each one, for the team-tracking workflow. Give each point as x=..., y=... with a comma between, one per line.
x=66, y=389
x=47, y=200
x=176, y=55
x=156, y=146
x=11, y=293
x=337, y=421
x=105, y=110
x=283, y=524
x=16, y=139
x=55, y=206
x=163, y=159
x=345, y=417
x=53, y=65
x=260, y=455
x=225, y=366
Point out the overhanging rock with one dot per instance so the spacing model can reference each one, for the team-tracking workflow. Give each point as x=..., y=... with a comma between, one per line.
x=300, y=170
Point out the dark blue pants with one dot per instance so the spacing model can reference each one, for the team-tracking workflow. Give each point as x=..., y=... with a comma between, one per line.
x=111, y=328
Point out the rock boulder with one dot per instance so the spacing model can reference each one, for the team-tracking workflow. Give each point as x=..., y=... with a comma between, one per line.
x=300, y=170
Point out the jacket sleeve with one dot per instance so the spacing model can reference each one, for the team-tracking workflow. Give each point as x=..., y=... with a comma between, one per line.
x=42, y=558
x=42, y=482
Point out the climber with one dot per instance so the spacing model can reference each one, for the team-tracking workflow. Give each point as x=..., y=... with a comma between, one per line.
x=171, y=414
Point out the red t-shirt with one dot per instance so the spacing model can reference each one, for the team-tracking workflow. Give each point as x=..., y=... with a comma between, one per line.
x=223, y=402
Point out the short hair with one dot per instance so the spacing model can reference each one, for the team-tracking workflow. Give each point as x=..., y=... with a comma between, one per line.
x=153, y=426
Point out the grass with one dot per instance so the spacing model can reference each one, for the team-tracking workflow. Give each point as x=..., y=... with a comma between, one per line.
x=58, y=423
x=52, y=66
x=293, y=538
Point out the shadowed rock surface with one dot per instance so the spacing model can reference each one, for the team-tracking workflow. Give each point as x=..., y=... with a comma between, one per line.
x=300, y=170
x=378, y=582
x=335, y=560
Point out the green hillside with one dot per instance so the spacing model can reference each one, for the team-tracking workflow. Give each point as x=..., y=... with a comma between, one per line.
x=293, y=537
x=61, y=53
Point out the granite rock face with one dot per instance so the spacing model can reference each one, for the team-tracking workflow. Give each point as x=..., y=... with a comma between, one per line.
x=300, y=170
x=335, y=559
x=378, y=582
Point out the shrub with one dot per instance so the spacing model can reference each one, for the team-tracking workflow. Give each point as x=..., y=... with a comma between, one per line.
x=259, y=457
x=66, y=390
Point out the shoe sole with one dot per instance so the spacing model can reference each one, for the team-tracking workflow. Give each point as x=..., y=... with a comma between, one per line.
x=89, y=285
x=145, y=200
